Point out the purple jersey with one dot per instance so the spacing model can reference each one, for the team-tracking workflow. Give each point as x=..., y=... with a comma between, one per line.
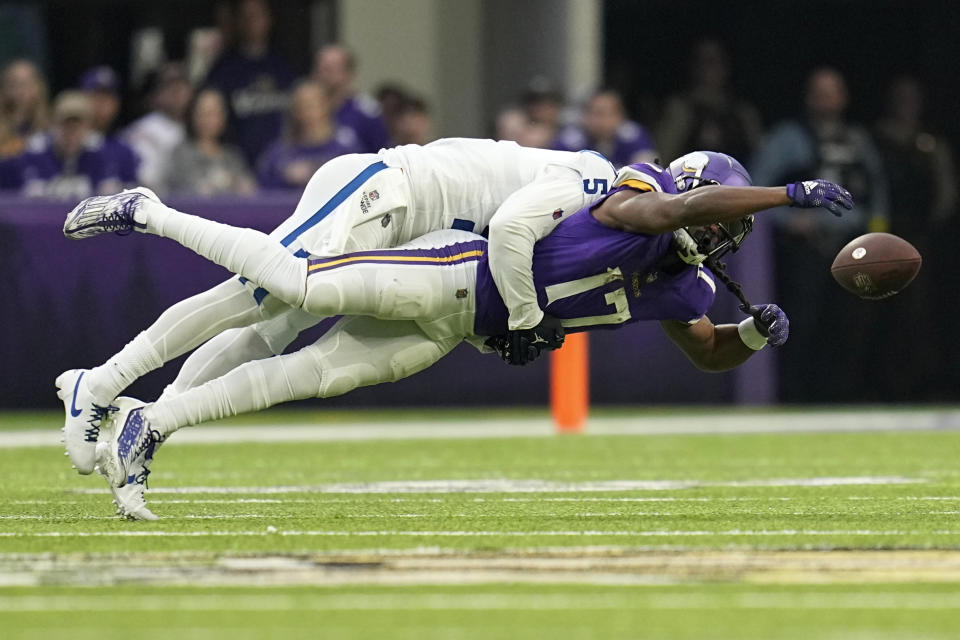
x=362, y=114
x=630, y=140
x=595, y=277
x=272, y=168
x=257, y=92
x=100, y=167
x=121, y=161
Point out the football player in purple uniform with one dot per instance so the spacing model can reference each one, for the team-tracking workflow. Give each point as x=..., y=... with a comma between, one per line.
x=643, y=252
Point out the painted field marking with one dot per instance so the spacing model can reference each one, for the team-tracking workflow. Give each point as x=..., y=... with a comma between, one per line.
x=330, y=500
x=500, y=485
x=49, y=517
x=733, y=422
x=606, y=601
x=465, y=516
x=472, y=534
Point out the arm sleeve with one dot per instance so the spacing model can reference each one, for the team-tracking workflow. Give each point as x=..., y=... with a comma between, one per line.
x=523, y=218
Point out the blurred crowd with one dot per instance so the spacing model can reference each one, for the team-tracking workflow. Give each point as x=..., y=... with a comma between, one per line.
x=902, y=176
x=232, y=120
x=237, y=119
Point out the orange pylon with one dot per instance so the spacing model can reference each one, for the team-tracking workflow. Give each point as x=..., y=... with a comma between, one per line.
x=570, y=383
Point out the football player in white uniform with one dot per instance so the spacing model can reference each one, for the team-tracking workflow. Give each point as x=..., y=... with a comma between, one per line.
x=430, y=309
x=355, y=202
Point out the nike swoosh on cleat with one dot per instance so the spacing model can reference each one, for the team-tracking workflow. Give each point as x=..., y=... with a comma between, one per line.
x=73, y=401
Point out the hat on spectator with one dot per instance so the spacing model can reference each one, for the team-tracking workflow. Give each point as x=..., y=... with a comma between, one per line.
x=71, y=104
x=101, y=78
x=540, y=88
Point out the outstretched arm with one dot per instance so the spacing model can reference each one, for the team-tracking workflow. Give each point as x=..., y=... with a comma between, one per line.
x=709, y=347
x=655, y=213
x=722, y=347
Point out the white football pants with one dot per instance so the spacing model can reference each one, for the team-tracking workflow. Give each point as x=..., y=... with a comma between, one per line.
x=418, y=299
x=239, y=321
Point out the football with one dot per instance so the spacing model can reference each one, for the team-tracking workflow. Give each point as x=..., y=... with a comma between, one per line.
x=876, y=265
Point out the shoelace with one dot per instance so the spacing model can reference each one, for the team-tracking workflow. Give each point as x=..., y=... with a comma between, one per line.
x=141, y=479
x=121, y=221
x=149, y=440
x=96, y=419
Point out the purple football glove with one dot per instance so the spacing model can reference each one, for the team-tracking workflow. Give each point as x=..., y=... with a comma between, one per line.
x=771, y=322
x=819, y=193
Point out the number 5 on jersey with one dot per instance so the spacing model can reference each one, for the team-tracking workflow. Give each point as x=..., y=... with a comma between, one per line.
x=595, y=186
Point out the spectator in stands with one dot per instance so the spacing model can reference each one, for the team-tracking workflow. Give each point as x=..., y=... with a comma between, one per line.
x=11, y=145
x=392, y=99
x=103, y=92
x=102, y=88
x=820, y=356
x=414, y=125
x=514, y=124
x=23, y=98
x=918, y=163
x=543, y=106
x=203, y=165
x=63, y=163
x=255, y=80
x=923, y=201
x=312, y=138
x=334, y=67
x=155, y=135
x=607, y=130
x=708, y=114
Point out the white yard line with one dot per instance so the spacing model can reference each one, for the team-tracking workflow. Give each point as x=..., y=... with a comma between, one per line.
x=605, y=601
x=500, y=485
x=419, y=500
x=467, y=516
x=135, y=533
x=721, y=422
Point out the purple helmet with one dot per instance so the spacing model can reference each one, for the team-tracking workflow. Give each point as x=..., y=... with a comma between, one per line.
x=699, y=169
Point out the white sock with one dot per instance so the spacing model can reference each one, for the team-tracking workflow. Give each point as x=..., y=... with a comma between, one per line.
x=247, y=252
x=137, y=358
x=179, y=329
x=250, y=387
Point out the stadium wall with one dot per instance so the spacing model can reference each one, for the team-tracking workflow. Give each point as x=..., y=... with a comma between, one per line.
x=73, y=304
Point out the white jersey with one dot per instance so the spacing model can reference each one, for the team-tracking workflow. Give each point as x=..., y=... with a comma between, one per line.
x=461, y=182
x=374, y=201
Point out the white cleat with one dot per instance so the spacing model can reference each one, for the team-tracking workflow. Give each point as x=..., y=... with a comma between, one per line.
x=129, y=499
x=102, y=214
x=82, y=419
x=131, y=503
x=123, y=457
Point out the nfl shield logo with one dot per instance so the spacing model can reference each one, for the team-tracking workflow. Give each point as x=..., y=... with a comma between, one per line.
x=557, y=214
x=374, y=195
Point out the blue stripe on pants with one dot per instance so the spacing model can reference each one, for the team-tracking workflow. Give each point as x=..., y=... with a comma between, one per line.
x=260, y=293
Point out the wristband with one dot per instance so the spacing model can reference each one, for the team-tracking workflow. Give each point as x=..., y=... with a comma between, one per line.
x=750, y=335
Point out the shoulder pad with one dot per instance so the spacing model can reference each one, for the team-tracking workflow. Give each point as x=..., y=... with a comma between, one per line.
x=645, y=176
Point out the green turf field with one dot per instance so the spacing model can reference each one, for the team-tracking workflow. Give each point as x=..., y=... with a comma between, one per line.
x=760, y=535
